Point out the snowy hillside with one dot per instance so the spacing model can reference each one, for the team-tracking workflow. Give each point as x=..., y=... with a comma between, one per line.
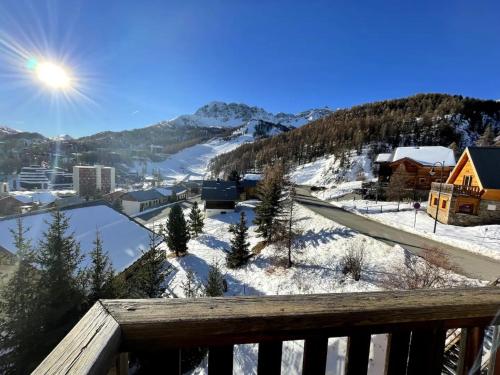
x=316, y=270
x=4, y=130
x=62, y=137
x=122, y=237
x=192, y=162
x=220, y=114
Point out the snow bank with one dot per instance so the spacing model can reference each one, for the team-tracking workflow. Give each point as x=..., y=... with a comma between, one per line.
x=122, y=237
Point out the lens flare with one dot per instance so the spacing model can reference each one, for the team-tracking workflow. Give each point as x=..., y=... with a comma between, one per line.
x=52, y=75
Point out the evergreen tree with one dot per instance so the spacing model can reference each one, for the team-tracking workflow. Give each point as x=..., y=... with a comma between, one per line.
x=177, y=233
x=238, y=254
x=117, y=204
x=101, y=273
x=269, y=191
x=19, y=324
x=234, y=176
x=61, y=289
x=195, y=220
x=215, y=281
x=149, y=276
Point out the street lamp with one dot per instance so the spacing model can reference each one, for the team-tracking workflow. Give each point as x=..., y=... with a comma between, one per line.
x=432, y=172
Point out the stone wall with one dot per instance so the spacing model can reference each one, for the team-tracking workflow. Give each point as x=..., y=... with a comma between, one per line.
x=484, y=215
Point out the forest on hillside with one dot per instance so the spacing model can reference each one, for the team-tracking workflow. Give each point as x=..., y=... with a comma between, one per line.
x=423, y=119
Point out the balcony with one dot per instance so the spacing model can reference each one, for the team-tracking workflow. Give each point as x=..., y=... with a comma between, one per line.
x=464, y=190
x=418, y=323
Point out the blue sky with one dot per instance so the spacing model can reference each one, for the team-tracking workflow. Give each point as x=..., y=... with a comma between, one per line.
x=139, y=62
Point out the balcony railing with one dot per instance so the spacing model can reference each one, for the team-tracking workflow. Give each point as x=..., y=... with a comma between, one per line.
x=472, y=191
x=416, y=321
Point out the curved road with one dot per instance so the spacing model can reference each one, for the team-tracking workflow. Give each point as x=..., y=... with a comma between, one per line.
x=469, y=264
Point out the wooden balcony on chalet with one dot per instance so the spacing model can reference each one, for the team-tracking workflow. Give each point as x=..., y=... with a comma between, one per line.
x=465, y=190
x=418, y=323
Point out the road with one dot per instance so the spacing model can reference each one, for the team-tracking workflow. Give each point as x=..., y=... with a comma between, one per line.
x=470, y=264
x=162, y=212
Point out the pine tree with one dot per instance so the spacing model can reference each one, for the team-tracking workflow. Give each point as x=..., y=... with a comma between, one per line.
x=61, y=289
x=19, y=325
x=269, y=190
x=195, y=220
x=238, y=254
x=149, y=277
x=215, y=281
x=101, y=273
x=177, y=233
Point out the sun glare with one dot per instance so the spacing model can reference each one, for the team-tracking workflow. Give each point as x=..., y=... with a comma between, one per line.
x=52, y=75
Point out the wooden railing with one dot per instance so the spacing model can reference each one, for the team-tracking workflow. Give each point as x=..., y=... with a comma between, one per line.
x=416, y=321
x=472, y=191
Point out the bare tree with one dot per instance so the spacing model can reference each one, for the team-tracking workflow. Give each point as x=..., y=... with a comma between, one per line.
x=430, y=270
x=353, y=261
x=397, y=185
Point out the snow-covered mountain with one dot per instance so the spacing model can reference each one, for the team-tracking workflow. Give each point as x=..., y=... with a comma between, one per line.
x=232, y=115
x=6, y=130
x=62, y=137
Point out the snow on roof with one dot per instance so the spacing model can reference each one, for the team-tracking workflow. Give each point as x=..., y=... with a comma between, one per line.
x=426, y=155
x=253, y=176
x=382, y=158
x=42, y=197
x=122, y=237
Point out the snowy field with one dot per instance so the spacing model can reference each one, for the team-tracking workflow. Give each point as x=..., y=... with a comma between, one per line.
x=482, y=239
x=122, y=238
x=316, y=270
x=326, y=171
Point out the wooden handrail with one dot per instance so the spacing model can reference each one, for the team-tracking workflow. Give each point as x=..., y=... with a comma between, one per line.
x=159, y=324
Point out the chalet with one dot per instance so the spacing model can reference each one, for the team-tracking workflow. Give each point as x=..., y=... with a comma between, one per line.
x=248, y=186
x=137, y=201
x=220, y=196
x=414, y=164
x=471, y=194
x=9, y=205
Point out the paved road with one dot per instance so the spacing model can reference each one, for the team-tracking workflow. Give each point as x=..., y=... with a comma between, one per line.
x=161, y=213
x=470, y=264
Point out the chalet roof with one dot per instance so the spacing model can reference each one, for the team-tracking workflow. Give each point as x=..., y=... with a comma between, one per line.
x=143, y=195
x=425, y=155
x=219, y=191
x=485, y=160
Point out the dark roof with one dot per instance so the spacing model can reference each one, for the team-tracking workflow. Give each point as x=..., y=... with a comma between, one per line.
x=143, y=195
x=249, y=183
x=219, y=191
x=486, y=162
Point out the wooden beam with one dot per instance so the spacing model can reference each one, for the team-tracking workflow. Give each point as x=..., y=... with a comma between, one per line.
x=196, y=322
x=471, y=350
x=269, y=360
x=89, y=348
x=315, y=353
x=220, y=360
x=426, y=351
x=358, y=352
x=396, y=358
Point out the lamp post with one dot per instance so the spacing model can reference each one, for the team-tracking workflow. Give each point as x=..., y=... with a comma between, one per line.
x=432, y=173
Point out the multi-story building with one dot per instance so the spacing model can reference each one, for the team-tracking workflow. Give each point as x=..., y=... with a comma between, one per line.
x=89, y=180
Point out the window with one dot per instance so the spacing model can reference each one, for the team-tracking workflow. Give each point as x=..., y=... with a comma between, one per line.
x=422, y=180
x=467, y=181
x=443, y=203
x=435, y=202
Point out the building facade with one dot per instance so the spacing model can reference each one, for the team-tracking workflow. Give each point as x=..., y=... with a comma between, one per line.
x=89, y=180
x=220, y=197
x=471, y=194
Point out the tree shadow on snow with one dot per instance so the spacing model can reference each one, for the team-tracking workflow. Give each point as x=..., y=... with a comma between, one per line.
x=323, y=236
x=212, y=242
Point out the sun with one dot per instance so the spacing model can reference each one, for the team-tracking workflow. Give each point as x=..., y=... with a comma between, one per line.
x=52, y=75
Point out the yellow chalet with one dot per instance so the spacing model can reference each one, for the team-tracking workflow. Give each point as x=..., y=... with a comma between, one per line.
x=471, y=194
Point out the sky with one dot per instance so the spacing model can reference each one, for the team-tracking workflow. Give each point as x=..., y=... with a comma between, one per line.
x=134, y=63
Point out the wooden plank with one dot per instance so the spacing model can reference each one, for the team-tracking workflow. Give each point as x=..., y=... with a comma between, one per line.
x=220, y=360
x=358, y=351
x=269, y=360
x=426, y=351
x=494, y=362
x=195, y=322
x=396, y=358
x=89, y=348
x=315, y=352
x=471, y=349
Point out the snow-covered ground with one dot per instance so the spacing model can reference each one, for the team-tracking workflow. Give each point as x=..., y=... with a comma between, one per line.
x=482, y=239
x=122, y=238
x=316, y=270
x=40, y=196
x=327, y=172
